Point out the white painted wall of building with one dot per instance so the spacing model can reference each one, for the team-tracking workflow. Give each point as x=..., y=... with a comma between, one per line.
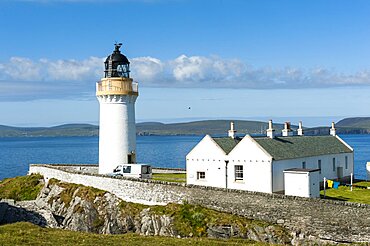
x=303, y=184
x=257, y=172
x=206, y=157
x=260, y=172
x=312, y=163
x=117, y=131
x=297, y=184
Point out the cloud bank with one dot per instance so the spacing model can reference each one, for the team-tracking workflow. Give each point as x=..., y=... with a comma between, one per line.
x=25, y=79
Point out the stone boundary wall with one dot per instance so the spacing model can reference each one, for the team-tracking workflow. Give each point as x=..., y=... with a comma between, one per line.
x=324, y=219
x=96, y=166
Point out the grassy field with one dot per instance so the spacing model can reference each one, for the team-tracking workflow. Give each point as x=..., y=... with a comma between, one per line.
x=21, y=188
x=170, y=177
x=344, y=193
x=28, y=234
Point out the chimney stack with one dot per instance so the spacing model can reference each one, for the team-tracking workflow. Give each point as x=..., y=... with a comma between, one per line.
x=332, y=129
x=300, y=129
x=270, y=131
x=232, y=131
x=286, y=132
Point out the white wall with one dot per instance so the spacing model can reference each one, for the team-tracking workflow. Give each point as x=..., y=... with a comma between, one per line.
x=297, y=184
x=206, y=157
x=260, y=172
x=312, y=163
x=303, y=184
x=117, y=131
x=128, y=190
x=257, y=172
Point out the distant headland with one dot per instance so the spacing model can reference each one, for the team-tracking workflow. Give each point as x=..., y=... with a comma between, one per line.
x=357, y=125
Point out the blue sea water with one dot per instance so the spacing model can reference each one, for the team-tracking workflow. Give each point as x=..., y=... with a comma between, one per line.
x=17, y=153
x=160, y=151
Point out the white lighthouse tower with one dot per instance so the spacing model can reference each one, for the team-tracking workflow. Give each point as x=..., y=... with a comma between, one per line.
x=117, y=94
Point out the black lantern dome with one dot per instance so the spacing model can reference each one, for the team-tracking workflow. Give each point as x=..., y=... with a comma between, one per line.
x=116, y=64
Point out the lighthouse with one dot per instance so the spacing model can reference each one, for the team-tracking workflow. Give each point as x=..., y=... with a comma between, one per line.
x=116, y=93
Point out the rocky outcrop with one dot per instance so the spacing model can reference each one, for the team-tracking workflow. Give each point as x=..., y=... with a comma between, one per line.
x=80, y=208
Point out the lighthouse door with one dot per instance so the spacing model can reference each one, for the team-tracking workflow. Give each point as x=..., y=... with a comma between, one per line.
x=129, y=158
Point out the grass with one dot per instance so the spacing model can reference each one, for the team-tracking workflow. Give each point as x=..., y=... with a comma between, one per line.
x=170, y=177
x=344, y=193
x=28, y=234
x=21, y=188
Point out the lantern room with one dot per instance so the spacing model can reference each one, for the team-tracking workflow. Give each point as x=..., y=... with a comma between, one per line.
x=117, y=64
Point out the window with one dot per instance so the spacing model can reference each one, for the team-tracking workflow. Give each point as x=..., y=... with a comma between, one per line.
x=126, y=169
x=333, y=164
x=146, y=169
x=238, y=172
x=319, y=165
x=304, y=165
x=201, y=175
x=346, y=162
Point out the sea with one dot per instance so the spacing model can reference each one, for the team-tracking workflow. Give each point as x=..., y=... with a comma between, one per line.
x=160, y=151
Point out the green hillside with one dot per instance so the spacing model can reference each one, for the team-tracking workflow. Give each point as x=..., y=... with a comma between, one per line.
x=213, y=127
x=356, y=125
x=62, y=130
x=357, y=122
x=359, y=125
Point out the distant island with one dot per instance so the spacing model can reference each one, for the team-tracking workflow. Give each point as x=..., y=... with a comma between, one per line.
x=358, y=125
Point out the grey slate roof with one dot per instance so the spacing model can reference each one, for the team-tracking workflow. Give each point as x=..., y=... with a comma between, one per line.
x=281, y=148
x=227, y=143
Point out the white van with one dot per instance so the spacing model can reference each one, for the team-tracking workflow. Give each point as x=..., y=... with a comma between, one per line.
x=142, y=171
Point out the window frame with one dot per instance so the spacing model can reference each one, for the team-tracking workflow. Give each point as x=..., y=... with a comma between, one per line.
x=201, y=175
x=334, y=165
x=238, y=172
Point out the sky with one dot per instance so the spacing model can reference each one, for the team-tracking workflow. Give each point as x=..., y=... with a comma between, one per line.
x=284, y=60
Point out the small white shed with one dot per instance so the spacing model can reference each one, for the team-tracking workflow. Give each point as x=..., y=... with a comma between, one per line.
x=302, y=182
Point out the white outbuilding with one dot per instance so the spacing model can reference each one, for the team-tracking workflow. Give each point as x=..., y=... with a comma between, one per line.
x=258, y=163
x=302, y=182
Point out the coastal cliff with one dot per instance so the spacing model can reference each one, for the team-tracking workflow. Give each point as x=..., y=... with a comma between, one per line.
x=80, y=208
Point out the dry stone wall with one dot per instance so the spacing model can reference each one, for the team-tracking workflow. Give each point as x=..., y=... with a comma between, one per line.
x=326, y=220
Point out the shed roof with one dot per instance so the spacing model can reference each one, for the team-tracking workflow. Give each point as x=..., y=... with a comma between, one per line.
x=227, y=143
x=301, y=170
x=281, y=148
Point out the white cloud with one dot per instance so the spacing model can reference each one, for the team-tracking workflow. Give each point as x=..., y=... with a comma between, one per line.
x=73, y=69
x=59, y=76
x=24, y=69
x=147, y=68
x=20, y=68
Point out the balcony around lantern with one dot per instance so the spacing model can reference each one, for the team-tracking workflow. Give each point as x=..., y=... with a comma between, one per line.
x=116, y=86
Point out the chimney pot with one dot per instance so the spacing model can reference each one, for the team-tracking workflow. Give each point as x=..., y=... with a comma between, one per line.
x=300, y=129
x=333, y=131
x=270, y=131
x=232, y=131
x=286, y=131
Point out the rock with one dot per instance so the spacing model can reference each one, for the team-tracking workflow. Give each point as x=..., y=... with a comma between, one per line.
x=79, y=211
x=3, y=210
x=280, y=221
x=219, y=232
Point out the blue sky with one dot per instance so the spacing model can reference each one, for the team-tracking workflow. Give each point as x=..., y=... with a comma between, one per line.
x=252, y=59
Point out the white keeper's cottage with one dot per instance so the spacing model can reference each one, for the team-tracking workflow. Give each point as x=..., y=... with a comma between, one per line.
x=258, y=163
